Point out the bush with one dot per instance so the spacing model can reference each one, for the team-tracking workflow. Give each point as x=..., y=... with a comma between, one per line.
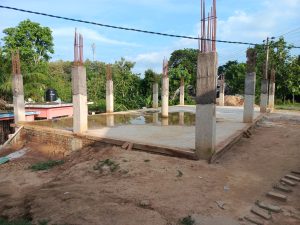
x=46, y=165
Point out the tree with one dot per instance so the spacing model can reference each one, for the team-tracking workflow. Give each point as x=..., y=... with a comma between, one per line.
x=234, y=73
x=187, y=58
x=150, y=77
x=34, y=42
x=280, y=59
x=179, y=76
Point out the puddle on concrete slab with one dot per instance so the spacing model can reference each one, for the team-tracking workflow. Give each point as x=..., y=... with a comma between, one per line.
x=112, y=120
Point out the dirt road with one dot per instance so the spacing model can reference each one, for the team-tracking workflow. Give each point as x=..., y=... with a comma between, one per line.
x=151, y=189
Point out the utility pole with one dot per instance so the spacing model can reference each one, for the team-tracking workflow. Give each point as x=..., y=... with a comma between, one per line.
x=264, y=81
x=93, y=46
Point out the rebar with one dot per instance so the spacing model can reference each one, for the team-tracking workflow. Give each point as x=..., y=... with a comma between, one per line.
x=208, y=28
x=108, y=72
x=78, y=49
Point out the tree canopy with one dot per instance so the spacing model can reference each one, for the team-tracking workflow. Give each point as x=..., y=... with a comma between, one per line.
x=34, y=42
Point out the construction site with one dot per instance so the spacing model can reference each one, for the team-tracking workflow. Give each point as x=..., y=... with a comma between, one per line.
x=223, y=160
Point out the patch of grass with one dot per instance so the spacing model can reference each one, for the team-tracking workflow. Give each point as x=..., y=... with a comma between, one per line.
x=295, y=106
x=45, y=165
x=15, y=222
x=187, y=221
x=113, y=166
x=179, y=173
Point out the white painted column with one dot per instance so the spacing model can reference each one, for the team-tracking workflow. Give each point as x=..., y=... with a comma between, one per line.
x=165, y=97
x=109, y=96
x=18, y=98
x=155, y=95
x=80, y=108
x=249, y=101
x=205, y=128
x=222, y=93
x=181, y=91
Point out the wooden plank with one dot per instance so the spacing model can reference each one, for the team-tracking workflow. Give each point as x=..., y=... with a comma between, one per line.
x=254, y=220
x=292, y=177
x=277, y=196
x=283, y=188
x=268, y=207
x=261, y=212
x=287, y=181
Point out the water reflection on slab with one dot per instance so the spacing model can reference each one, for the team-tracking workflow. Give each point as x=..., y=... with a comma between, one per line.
x=112, y=120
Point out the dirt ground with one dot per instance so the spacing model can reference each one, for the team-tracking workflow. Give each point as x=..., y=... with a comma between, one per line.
x=152, y=189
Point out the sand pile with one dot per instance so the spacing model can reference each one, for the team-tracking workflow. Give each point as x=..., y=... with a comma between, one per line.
x=232, y=100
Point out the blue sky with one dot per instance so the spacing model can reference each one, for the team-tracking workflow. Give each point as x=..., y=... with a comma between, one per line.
x=238, y=20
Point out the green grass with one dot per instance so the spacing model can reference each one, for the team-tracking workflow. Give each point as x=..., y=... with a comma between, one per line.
x=46, y=165
x=290, y=106
x=179, y=173
x=14, y=222
x=113, y=166
x=21, y=222
x=187, y=221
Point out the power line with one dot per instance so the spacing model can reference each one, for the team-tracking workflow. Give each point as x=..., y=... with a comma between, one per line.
x=289, y=32
x=128, y=29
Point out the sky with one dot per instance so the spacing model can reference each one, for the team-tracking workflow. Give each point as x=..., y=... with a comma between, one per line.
x=238, y=20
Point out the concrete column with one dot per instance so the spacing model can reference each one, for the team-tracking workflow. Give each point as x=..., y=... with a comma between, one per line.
x=205, y=133
x=165, y=97
x=250, y=81
x=264, y=95
x=222, y=93
x=249, y=101
x=18, y=98
x=80, y=108
x=272, y=90
x=155, y=95
x=181, y=91
x=109, y=96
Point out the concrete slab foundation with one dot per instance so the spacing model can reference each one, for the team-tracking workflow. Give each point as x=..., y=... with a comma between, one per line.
x=159, y=135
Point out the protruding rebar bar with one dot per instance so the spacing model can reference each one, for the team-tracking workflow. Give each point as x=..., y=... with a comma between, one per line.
x=208, y=28
x=108, y=72
x=78, y=49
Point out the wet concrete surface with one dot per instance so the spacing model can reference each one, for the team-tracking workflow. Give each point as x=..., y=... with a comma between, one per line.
x=148, y=127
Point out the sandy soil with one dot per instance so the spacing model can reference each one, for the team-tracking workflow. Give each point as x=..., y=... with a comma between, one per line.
x=152, y=189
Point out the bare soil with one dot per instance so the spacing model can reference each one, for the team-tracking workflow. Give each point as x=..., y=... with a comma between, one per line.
x=152, y=189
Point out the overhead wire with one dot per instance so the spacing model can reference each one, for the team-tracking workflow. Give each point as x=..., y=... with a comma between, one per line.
x=127, y=28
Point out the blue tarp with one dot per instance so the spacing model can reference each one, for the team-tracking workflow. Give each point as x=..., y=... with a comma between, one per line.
x=11, y=115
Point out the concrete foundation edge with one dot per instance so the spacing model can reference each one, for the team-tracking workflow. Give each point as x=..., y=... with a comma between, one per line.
x=225, y=146
x=72, y=142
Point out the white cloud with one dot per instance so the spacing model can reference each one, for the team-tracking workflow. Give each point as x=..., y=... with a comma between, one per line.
x=272, y=18
x=90, y=35
x=149, y=60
